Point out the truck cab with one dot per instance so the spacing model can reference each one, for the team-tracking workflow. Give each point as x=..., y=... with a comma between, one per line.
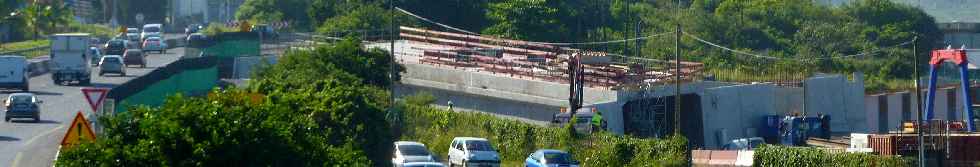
x=69, y=59
x=14, y=73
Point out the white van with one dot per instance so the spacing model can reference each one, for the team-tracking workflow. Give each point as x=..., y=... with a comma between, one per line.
x=151, y=30
x=69, y=58
x=14, y=73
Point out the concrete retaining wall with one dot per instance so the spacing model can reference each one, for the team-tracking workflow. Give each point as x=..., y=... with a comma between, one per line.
x=498, y=86
x=733, y=112
x=886, y=112
x=840, y=98
x=38, y=66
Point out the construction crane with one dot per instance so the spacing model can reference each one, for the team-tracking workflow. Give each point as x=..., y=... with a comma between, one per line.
x=957, y=56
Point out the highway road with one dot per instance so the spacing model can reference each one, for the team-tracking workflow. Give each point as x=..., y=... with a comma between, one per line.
x=25, y=143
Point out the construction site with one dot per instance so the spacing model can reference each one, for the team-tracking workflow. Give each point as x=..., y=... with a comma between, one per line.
x=536, y=81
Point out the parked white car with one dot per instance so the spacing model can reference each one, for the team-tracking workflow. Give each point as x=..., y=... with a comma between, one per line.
x=409, y=151
x=472, y=151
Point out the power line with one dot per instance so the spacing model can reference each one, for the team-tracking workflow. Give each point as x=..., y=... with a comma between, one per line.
x=781, y=58
x=532, y=42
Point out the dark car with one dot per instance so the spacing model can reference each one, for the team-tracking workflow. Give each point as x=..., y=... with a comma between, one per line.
x=193, y=28
x=22, y=105
x=115, y=47
x=265, y=31
x=134, y=57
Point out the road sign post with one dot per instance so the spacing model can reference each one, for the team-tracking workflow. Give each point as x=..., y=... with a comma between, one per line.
x=79, y=131
x=94, y=97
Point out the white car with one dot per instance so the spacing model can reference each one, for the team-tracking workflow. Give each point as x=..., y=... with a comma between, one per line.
x=112, y=64
x=423, y=164
x=409, y=151
x=154, y=44
x=472, y=151
x=151, y=30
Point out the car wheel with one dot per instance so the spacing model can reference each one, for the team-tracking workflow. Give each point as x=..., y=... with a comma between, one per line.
x=101, y=74
x=37, y=118
x=143, y=65
x=6, y=119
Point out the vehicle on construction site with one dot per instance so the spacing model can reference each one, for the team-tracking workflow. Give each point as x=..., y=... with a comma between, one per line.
x=744, y=144
x=69, y=58
x=587, y=119
x=794, y=130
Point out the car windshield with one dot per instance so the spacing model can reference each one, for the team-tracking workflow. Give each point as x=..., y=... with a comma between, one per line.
x=478, y=145
x=557, y=158
x=116, y=43
x=132, y=31
x=413, y=150
x=151, y=29
x=110, y=60
x=20, y=99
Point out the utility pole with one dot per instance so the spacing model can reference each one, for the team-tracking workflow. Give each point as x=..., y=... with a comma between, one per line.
x=677, y=80
x=391, y=65
x=37, y=11
x=918, y=103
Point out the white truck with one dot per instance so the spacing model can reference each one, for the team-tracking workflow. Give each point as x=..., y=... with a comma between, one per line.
x=69, y=59
x=14, y=73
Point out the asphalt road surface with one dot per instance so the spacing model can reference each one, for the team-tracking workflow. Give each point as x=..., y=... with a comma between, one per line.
x=25, y=143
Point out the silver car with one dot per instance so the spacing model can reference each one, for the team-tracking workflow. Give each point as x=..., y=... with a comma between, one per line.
x=22, y=105
x=409, y=151
x=112, y=64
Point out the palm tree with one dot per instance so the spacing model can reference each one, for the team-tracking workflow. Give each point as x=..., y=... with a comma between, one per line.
x=46, y=17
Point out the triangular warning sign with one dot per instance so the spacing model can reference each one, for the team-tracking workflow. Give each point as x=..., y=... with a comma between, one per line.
x=79, y=130
x=94, y=96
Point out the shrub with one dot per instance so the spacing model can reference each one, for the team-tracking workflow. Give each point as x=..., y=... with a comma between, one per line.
x=516, y=140
x=770, y=155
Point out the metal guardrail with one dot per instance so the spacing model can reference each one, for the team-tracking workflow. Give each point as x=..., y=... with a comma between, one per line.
x=20, y=52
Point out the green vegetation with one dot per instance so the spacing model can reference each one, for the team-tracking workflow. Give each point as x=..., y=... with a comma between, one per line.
x=307, y=110
x=769, y=155
x=96, y=30
x=24, y=46
x=802, y=36
x=515, y=140
x=217, y=28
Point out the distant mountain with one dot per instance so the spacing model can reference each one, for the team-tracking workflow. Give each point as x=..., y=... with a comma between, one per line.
x=942, y=10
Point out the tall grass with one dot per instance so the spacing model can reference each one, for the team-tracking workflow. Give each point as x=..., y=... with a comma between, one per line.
x=516, y=140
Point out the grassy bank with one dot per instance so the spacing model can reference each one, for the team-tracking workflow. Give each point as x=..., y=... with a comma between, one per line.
x=24, y=45
x=516, y=140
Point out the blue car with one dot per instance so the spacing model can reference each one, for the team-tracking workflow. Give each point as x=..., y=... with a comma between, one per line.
x=550, y=158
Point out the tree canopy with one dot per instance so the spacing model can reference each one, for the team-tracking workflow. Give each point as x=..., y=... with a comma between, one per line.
x=314, y=108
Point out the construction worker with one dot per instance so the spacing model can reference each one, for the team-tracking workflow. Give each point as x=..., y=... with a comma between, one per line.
x=597, y=122
x=450, y=105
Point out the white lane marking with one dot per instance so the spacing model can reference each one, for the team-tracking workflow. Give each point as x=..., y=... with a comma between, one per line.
x=43, y=134
x=17, y=159
x=21, y=154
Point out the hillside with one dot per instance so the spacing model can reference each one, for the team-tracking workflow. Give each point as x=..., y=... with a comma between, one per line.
x=942, y=10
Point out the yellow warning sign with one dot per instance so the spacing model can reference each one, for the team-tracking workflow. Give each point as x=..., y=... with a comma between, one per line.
x=80, y=130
